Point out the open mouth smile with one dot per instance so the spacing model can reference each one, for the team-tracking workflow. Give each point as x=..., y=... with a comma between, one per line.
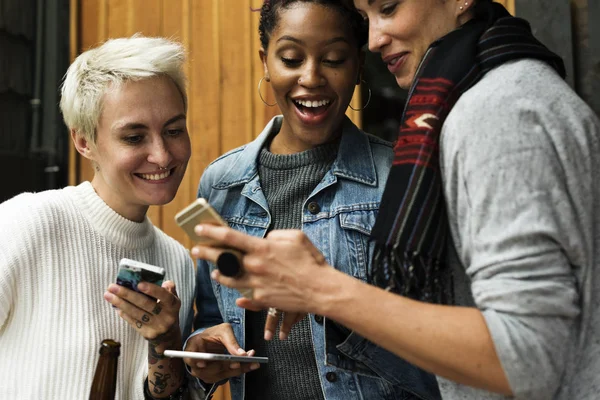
x=156, y=177
x=395, y=61
x=312, y=111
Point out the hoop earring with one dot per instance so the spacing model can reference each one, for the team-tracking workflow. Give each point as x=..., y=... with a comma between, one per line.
x=260, y=94
x=368, y=99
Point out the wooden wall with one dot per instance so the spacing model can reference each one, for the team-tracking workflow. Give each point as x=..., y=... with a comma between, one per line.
x=223, y=69
x=225, y=111
x=223, y=72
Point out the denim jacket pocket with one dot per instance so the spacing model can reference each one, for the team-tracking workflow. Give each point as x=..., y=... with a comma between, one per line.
x=355, y=244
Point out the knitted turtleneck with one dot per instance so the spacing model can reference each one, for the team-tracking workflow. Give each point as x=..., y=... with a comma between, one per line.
x=291, y=374
x=60, y=251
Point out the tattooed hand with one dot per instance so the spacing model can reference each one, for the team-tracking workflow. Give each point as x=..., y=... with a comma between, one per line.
x=152, y=318
x=156, y=318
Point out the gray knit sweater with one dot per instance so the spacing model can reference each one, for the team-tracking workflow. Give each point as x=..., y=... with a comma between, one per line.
x=291, y=374
x=520, y=154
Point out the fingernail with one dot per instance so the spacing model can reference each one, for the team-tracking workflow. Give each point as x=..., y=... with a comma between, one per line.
x=251, y=353
x=199, y=229
x=195, y=252
x=200, y=364
x=241, y=351
x=213, y=274
x=113, y=289
x=142, y=286
x=254, y=366
x=108, y=296
x=268, y=335
x=283, y=335
x=235, y=365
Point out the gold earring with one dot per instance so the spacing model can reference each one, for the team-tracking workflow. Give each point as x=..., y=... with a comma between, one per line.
x=368, y=99
x=260, y=94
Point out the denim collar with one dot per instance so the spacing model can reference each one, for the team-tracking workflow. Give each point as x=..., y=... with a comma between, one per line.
x=354, y=160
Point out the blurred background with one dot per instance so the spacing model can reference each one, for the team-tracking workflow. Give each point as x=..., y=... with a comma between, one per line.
x=39, y=38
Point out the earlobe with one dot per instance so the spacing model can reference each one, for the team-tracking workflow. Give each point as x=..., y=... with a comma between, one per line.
x=81, y=144
x=263, y=59
x=464, y=12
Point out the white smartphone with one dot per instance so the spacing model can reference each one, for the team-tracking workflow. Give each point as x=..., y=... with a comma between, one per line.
x=199, y=212
x=132, y=272
x=214, y=356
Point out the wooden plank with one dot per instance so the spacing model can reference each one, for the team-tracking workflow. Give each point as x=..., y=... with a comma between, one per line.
x=260, y=118
x=204, y=88
x=117, y=19
x=510, y=6
x=356, y=102
x=236, y=74
x=94, y=31
x=173, y=23
x=145, y=16
x=551, y=24
x=263, y=112
x=174, y=20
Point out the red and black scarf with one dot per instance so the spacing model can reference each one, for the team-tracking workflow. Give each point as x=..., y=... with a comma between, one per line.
x=412, y=228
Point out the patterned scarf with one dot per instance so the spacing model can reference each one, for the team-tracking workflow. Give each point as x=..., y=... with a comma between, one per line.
x=411, y=229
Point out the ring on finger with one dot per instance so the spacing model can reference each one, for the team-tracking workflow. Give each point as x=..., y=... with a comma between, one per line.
x=273, y=312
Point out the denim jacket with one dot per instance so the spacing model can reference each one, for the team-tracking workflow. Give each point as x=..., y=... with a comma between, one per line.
x=347, y=200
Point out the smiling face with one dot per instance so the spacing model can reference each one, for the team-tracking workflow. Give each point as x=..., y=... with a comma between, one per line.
x=402, y=30
x=313, y=64
x=142, y=129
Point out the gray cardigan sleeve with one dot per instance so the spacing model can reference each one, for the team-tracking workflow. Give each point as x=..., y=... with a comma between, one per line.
x=518, y=203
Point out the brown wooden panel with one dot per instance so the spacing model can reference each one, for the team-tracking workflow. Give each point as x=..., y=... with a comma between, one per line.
x=175, y=25
x=203, y=88
x=175, y=21
x=145, y=16
x=118, y=18
x=260, y=116
x=93, y=31
x=236, y=74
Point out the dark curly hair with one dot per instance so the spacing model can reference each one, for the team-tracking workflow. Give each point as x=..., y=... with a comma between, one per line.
x=269, y=18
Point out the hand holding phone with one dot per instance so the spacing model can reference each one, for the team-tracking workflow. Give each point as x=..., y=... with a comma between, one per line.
x=215, y=356
x=201, y=212
x=132, y=272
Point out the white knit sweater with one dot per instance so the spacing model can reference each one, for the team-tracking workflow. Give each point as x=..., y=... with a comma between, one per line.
x=59, y=251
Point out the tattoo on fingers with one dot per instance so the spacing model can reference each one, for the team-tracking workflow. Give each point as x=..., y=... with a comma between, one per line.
x=145, y=318
x=138, y=324
x=157, y=309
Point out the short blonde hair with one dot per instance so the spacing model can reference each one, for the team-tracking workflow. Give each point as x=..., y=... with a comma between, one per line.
x=116, y=61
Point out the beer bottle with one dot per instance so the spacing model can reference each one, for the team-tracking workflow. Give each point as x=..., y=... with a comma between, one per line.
x=104, y=384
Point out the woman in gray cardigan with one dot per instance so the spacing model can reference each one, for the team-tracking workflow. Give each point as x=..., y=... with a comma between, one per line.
x=490, y=213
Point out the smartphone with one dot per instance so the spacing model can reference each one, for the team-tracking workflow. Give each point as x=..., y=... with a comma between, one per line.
x=132, y=272
x=214, y=356
x=201, y=212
